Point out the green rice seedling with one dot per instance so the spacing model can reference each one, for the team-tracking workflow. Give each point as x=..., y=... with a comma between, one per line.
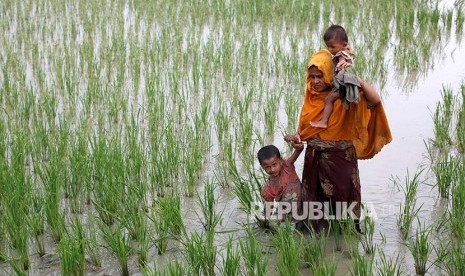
x=408, y=210
x=144, y=246
x=169, y=209
x=314, y=250
x=292, y=111
x=201, y=253
x=460, y=125
x=288, y=262
x=460, y=133
x=445, y=172
x=451, y=257
x=349, y=234
x=388, y=267
x=325, y=268
x=72, y=255
x=162, y=229
x=79, y=174
x=226, y=163
x=270, y=110
x=362, y=265
x=36, y=221
x=118, y=241
x=3, y=242
x=18, y=269
x=421, y=249
x=336, y=229
x=442, y=118
x=174, y=268
x=456, y=212
x=222, y=123
x=208, y=206
x=134, y=220
x=367, y=238
x=231, y=259
x=92, y=246
x=14, y=199
x=109, y=176
x=252, y=253
x=18, y=236
x=248, y=193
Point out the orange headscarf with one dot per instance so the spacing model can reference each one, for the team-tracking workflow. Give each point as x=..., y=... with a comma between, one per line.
x=367, y=128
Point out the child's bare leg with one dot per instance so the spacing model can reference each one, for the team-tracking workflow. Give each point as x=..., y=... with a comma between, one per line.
x=329, y=101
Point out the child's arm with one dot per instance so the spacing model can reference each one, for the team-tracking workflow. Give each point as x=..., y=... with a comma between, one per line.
x=297, y=145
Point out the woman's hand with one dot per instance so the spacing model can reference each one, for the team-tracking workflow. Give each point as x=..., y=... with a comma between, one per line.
x=371, y=95
x=295, y=141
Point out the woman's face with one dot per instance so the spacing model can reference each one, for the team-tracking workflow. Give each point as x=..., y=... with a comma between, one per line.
x=317, y=80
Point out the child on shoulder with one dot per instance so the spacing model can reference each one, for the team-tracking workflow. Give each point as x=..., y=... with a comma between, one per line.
x=345, y=83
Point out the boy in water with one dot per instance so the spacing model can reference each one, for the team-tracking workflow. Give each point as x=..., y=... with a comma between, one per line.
x=283, y=186
x=345, y=84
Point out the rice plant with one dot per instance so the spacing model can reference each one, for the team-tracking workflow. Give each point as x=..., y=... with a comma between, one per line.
x=367, y=238
x=288, y=262
x=326, y=268
x=201, y=253
x=169, y=209
x=36, y=221
x=408, y=210
x=92, y=245
x=421, y=249
x=451, y=258
x=442, y=118
x=292, y=111
x=350, y=236
x=362, y=265
x=118, y=241
x=314, y=251
x=388, y=266
x=72, y=254
x=456, y=212
x=247, y=191
x=208, y=205
x=446, y=173
x=255, y=261
x=270, y=110
x=231, y=259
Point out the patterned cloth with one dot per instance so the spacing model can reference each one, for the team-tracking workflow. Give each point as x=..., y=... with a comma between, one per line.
x=331, y=173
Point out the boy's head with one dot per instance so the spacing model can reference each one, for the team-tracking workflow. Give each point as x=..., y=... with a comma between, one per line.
x=336, y=39
x=270, y=160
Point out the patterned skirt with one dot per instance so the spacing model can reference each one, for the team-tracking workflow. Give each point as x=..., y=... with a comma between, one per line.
x=330, y=174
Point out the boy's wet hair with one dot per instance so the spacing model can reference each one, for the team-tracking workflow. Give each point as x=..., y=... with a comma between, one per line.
x=268, y=152
x=337, y=33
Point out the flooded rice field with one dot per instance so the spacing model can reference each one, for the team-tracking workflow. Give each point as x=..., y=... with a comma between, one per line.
x=129, y=132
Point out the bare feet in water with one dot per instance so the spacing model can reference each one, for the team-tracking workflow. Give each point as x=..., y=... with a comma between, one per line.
x=319, y=124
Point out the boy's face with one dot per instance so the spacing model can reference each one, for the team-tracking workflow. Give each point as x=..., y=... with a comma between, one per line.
x=272, y=166
x=335, y=46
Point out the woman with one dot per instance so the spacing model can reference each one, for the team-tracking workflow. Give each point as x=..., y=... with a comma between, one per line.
x=330, y=171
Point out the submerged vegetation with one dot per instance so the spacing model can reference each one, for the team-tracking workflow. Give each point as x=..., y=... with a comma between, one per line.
x=116, y=114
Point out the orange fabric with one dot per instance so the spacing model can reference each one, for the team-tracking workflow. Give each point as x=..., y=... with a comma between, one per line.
x=367, y=128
